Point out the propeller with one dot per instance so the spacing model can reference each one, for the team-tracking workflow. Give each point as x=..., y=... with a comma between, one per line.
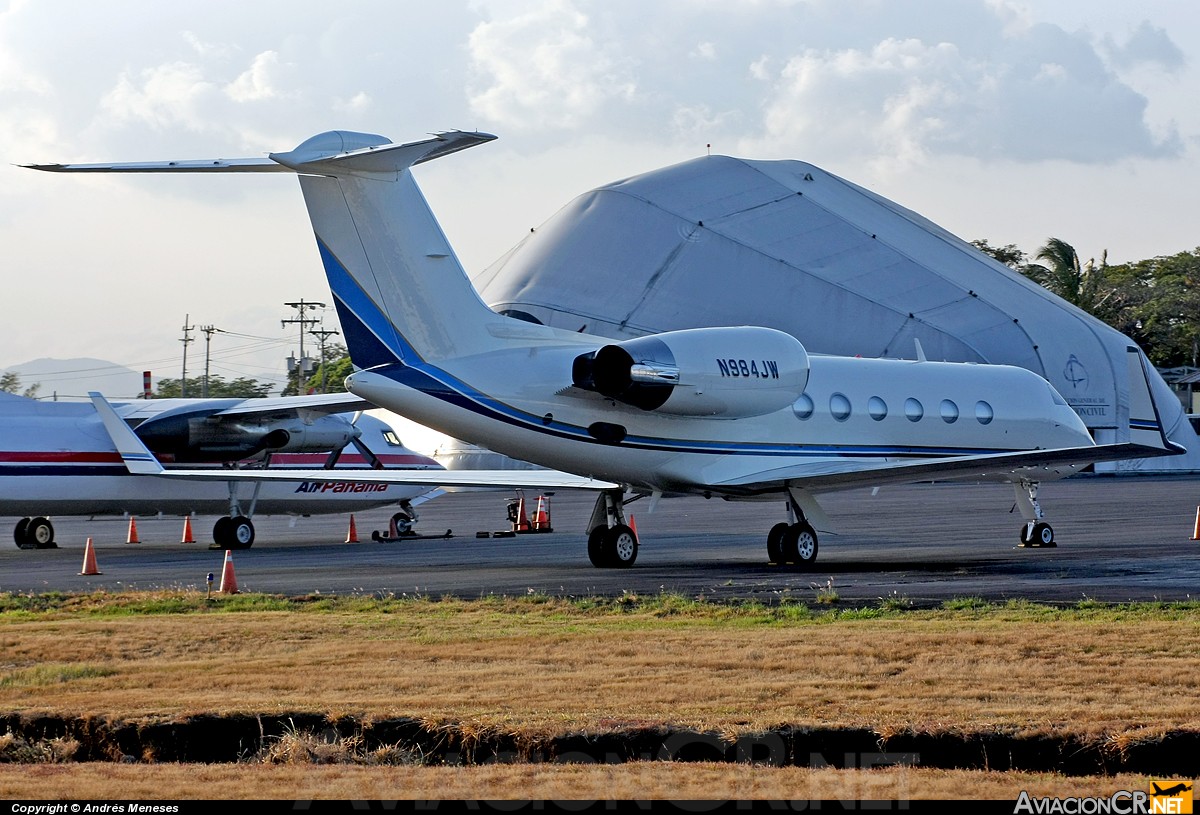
x=359, y=445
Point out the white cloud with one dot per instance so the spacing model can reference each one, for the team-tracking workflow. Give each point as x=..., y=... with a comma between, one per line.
x=256, y=82
x=1147, y=45
x=163, y=96
x=544, y=69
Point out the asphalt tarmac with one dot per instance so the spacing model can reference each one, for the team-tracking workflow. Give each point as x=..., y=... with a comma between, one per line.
x=1119, y=539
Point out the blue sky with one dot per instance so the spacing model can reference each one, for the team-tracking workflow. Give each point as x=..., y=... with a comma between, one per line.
x=1007, y=120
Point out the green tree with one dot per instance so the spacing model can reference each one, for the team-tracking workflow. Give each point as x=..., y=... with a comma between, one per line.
x=1081, y=285
x=1009, y=254
x=11, y=383
x=1156, y=302
x=332, y=374
x=217, y=387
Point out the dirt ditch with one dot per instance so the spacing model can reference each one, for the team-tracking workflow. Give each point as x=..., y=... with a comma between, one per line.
x=246, y=737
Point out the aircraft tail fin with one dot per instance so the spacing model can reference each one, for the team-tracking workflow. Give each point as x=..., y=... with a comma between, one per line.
x=138, y=459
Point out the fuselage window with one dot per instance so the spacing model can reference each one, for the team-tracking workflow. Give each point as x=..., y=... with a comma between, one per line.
x=839, y=407
x=803, y=407
x=913, y=410
x=877, y=408
x=949, y=412
x=983, y=412
x=391, y=438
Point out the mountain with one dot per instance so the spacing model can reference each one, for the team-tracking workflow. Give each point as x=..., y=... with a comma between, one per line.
x=73, y=378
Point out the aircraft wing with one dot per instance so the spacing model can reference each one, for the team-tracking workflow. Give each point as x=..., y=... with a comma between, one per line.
x=140, y=461
x=259, y=407
x=1034, y=465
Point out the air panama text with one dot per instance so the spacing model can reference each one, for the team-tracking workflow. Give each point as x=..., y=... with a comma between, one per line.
x=337, y=486
x=769, y=368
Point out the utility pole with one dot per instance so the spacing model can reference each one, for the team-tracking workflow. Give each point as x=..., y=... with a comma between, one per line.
x=323, y=334
x=187, y=338
x=208, y=332
x=304, y=321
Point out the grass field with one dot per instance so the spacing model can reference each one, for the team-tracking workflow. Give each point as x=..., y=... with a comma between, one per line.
x=534, y=666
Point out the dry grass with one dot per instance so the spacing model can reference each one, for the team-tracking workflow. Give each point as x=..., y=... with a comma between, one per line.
x=635, y=781
x=540, y=666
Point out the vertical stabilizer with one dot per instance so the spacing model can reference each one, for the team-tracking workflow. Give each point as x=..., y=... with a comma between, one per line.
x=390, y=268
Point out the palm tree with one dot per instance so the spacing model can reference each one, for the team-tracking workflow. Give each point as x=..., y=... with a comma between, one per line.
x=1080, y=285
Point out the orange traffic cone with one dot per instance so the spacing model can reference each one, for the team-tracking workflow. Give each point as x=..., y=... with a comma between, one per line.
x=522, y=520
x=89, y=559
x=1196, y=530
x=352, y=532
x=187, y=530
x=132, y=536
x=541, y=518
x=228, y=578
x=633, y=526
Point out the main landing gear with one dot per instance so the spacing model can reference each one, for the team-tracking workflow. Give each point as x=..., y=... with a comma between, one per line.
x=612, y=544
x=793, y=543
x=35, y=533
x=1036, y=533
x=235, y=530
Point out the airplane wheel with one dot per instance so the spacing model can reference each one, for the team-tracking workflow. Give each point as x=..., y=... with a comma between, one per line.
x=23, y=541
x=620, y=546
x=1043, y=535
x=596, y=547
x=39, y=534
x=775, y=542
x=800, y=545
x=241, y=532
x=222, y=539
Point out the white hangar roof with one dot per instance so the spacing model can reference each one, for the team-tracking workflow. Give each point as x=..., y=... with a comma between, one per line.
x=784, y=244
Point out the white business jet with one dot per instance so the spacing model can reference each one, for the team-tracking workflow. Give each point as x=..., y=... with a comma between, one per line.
x=56, y=458
x=737, y=412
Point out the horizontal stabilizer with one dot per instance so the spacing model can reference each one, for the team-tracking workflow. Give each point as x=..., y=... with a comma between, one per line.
x=337, y=152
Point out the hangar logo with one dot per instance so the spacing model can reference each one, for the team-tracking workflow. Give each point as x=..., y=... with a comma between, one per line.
x=1075, y=373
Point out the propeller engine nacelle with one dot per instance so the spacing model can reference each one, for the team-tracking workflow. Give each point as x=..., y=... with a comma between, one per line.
x=720, y=372
x=204, y=438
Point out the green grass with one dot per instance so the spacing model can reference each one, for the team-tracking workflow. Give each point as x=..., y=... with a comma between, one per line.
x=43, y=676
x=666, y=607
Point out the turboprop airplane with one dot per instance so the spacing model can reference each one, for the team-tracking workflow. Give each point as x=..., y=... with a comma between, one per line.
x=56, y=458
x=737, y=412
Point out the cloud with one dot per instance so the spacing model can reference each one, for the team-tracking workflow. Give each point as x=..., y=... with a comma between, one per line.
x=1034, y=93
x=545, y=68
x=257, y=82
x=1148, y=45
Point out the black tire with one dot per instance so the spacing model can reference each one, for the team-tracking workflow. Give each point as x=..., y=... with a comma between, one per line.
x=596, y=548
x=22, y=539
x=222, y=533
x=1026, y=536
x=39, y=533
x=620, y=546
x=241, y=533
x=1043, y=535
x=800, y=545
x=775, y=542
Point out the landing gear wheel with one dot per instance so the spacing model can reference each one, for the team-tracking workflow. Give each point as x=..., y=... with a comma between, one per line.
x=800, y=545
x=35, y=533
x=22, y=539
x=775, y=542
x=620, y=546
x=233, y=533
x=596, y=548
x=1041, y=536
x=222, y=536
x=241, y=532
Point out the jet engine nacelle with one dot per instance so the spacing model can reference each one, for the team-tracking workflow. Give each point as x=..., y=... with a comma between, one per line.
x=720, y=372
x=192, y=438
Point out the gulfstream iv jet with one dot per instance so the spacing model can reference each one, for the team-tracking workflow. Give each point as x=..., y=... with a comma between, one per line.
x=739, y=412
